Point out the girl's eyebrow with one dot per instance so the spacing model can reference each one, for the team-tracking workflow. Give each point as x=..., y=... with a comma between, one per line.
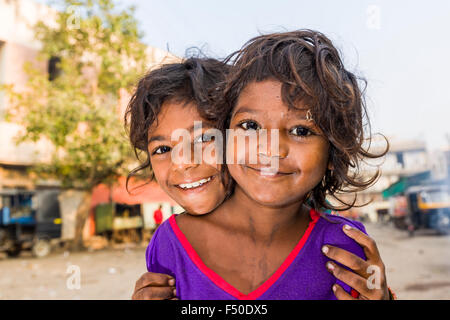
x=244, y=110
x=250, y=110
x=156, y=138
x=205, y=124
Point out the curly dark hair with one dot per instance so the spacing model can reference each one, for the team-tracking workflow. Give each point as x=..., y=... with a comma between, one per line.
x=310, y=70
x=194, y=80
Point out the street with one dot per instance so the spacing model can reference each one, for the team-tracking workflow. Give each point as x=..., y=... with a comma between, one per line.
x=417, y=268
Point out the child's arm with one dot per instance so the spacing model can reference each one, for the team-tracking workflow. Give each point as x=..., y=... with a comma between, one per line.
x=368, y=278
x=159, y=282
x=154, y=286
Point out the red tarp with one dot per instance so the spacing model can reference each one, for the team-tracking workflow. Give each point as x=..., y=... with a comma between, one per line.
x=151, y=192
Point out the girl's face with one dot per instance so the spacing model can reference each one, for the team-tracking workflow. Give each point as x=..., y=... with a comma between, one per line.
x=302, y=153
x=197, y=187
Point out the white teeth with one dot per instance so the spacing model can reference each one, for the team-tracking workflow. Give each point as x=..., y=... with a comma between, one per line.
x=269, y=171
x=194, y=184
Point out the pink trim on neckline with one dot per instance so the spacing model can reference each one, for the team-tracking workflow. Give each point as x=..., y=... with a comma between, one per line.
x=221, y=283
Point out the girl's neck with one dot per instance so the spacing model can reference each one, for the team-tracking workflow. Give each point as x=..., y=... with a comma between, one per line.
x=245, y=214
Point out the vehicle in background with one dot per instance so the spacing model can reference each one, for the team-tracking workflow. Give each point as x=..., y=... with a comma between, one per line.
x=428, y=208
x=399, y=212
x=29, y=220
x=119, y=222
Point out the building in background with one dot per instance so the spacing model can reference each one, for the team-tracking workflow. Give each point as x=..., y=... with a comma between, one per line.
x=407, y=163
x=405, y=158
x=17, y=46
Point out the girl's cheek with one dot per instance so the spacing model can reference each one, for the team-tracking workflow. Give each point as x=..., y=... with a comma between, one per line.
x=313, y=159
x=230, y=153
x=160, y=170
x=234, y=171
x=212, y=158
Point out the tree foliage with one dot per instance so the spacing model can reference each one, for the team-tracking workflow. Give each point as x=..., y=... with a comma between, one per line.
x=99, y=54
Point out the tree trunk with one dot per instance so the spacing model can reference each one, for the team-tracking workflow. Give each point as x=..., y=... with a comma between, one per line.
x=81, y=218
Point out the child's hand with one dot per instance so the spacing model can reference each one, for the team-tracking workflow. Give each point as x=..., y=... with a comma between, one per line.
x=369, y=278
x=154, y=286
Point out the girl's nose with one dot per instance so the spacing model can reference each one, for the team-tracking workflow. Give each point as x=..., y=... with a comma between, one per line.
x=275, y=146
x=185, y=158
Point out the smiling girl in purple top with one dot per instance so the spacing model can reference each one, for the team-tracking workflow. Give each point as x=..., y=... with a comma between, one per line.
x=301, y=276
x=263, y=241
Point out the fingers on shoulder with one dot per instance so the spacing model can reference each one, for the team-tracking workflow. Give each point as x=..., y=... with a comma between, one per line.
x=154, y=293
x=361, y=238
x=341, y=294
x=347, y=258
x=153, y=279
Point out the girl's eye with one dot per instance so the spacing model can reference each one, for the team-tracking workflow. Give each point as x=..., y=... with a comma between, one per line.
x=300, y=131
x=204, y=137
x=161, y=150
x=249, y=125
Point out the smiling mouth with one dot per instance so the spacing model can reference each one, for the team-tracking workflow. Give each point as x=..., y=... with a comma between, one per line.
x=194, y=185
x=268, y=172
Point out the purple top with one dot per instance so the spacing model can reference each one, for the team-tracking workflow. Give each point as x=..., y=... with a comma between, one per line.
x=302, y=275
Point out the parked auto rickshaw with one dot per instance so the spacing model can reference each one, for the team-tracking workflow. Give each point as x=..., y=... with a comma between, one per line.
x=119, y=222
x=29, y=220
x=428, y=208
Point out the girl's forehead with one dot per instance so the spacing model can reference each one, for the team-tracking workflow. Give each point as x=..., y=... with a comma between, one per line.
x=177, y=115
x=266, y=88
x=175, y=112
x=172, y=109
x=299, y=112
x=267, y=96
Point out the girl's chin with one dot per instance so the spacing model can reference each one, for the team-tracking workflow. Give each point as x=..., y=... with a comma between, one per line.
x=268, y=200
x=201, y=208
x=272, y=198
x=198, y=211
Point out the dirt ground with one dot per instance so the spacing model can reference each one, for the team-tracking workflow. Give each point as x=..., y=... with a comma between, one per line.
x=417, y=268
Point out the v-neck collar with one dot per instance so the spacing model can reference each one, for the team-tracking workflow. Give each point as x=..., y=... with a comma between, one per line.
x=224, y=285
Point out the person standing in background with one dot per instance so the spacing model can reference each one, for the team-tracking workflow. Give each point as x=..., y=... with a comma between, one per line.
x=158, y=217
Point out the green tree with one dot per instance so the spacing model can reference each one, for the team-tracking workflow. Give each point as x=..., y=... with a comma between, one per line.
x=99, y=54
